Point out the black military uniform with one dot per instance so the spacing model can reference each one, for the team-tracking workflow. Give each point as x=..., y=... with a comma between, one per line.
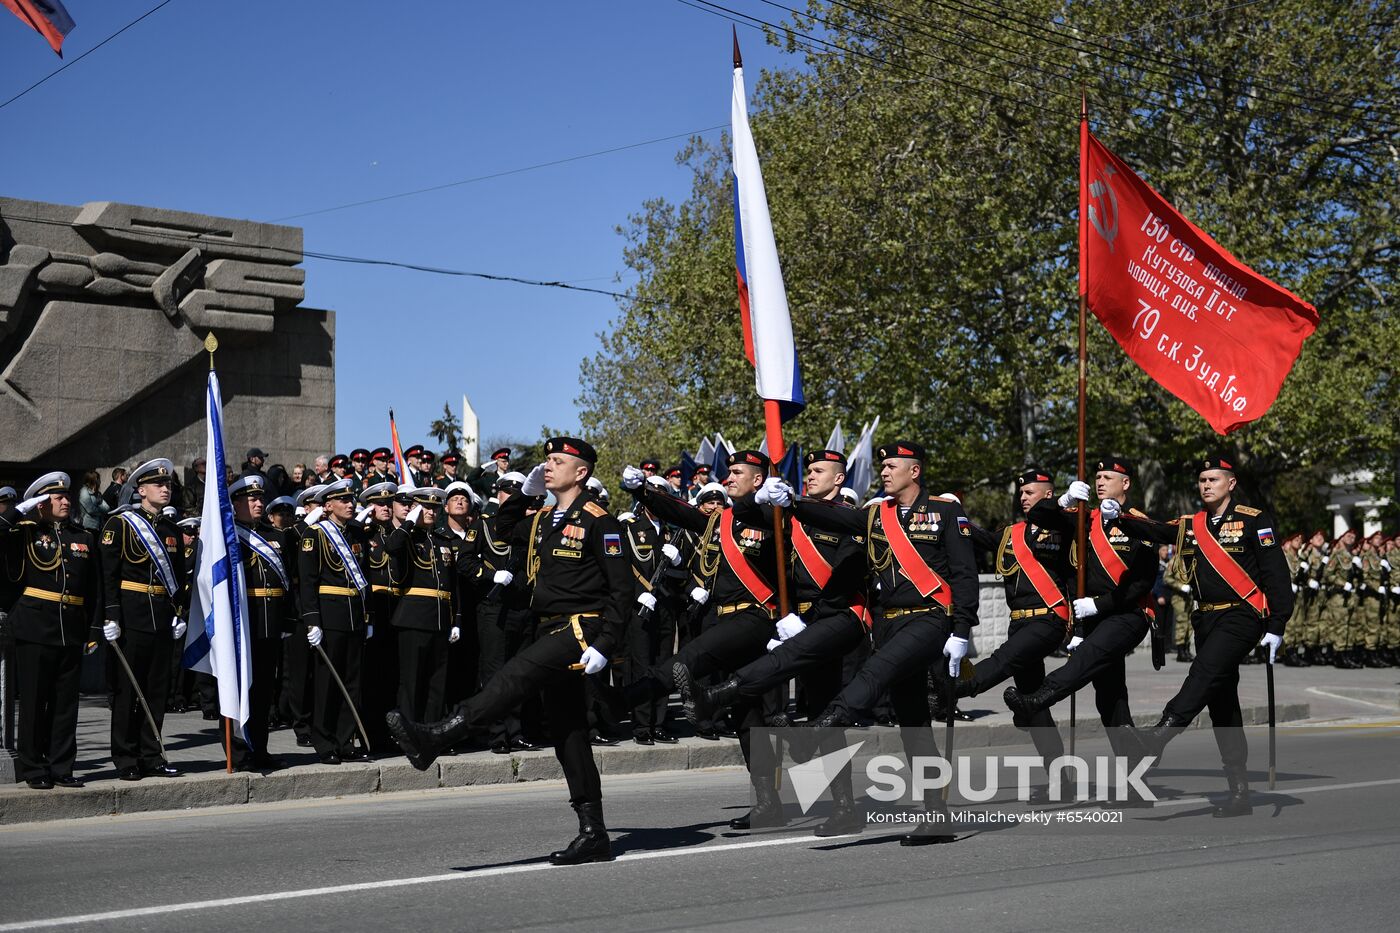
x=269, y=578
x=1242, y=591
x=1034, y=565
x=55, y=567
x=298, y=678
x=429, y=614
x=1122, y=594
x=651, y=631
x=334, y=601
x=380, y=675
x=462, y=536
x=379, y=467
x=145, y=591
x=582, y=595
x=450, y=459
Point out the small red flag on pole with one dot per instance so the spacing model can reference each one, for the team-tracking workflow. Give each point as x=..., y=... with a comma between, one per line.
x=1212, y=331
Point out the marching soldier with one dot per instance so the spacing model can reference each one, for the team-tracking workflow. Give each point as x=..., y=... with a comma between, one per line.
x=1112, y=616
x=1243, y=599
x=1370, y=598
x=380, y=678
x=298, y=678
x=652, y=633
x=144, y=584
x=1307, y=610
x=272, y=613
x=334, y=609
x=1337, y=610
x=738, y=568
x=428, y=617
x=582, y=594
x=1391, y=581
x=54, y=562
x=1034, y=565
x=918, y=548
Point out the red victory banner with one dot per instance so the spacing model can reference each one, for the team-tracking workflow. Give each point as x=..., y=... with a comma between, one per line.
x=1212, y=331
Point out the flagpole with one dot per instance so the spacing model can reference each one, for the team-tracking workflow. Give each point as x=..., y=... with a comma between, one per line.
x=1081, y=529
x=773, y=425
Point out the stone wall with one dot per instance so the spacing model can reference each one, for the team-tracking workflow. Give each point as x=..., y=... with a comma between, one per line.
x=103, y=312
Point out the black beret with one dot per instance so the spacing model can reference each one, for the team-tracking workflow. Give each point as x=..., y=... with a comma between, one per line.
x=1217, y=463
x=824, y=456
x=906, y=449
x=755, y=458
x=1034, y=475
x=1115, y=465
x=572, y=446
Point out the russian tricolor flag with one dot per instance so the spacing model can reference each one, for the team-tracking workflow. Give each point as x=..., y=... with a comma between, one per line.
x=762, y=299
x=46, y=17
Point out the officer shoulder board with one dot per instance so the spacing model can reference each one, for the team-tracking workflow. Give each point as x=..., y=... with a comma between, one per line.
x=1226, y=566
x=914, y=567
x=1248, y=510
x=150, y=541
x=594, y=509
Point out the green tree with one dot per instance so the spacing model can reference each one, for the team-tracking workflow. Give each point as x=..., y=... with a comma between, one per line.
x=922, y=174
x=448, y=428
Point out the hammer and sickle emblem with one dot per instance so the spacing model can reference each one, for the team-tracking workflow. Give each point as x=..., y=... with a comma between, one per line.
x=1097, y=189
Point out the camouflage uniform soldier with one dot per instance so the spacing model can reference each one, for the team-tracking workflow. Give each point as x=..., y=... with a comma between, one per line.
x=1369, y=594
x=1337, y=589
x=1312, y=560
x=1391, y=625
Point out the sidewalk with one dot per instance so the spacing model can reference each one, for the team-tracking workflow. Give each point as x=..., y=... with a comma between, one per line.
x=1314, y=694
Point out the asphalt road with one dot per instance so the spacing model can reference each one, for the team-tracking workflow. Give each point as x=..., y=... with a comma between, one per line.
x=1320, y=852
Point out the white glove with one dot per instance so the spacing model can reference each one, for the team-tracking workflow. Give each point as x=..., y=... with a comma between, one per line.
x=671, y=553
x=774, y=492
x=314, y=515
x=1085, y=608
x=413, y=515
x=300, y=511
x=178, y=628
x=773, y=643
x=790, y=625
x=648, y=601
x=1356, y=562
x=1385, y=564
x=313, y=635
x=363, y=513
x=1074, y=642
x=1346, y=587
x=29, y=505
x=369, y=632
x=632, y=477
x=1272, y=642
x=950, y=495
x=592, y=661
x=1302, y=565
x=954, y=649
x=503, y=577
x=625, y=516
x=1312, y=584
x=111, y=631
x=1110, y=509
x=1395, y=591
x=454, y=636
x=1295, y=587
x=1077, y=490
x=699, y=595
x=491, y=466
x=1185, y=589
x=534, y=483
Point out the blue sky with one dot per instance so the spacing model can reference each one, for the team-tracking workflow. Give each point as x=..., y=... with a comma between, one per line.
x=262, y=109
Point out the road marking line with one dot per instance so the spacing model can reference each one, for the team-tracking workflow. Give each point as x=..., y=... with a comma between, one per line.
x=1319, y=789
x=131, y=913
x=1318, y=691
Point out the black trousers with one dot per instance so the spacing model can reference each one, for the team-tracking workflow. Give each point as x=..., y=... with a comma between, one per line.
x=133, y=742
x=542, y=668
x=332, y=721
x=265, y=653
x=651, y=642
x=1101, y=660
x=1022, y=657
x=379, y=675
x=298, y=683
x=422, y=673
x=905, y=647
x=46, y=681
x=817, y=655
x=501, y=633
x=730, y=643
x=1222, y=640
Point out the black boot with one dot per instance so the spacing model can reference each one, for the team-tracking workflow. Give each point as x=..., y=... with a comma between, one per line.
x=1374, y=659
x=845, y=819
x=1153, y=741
x=707, y=701
x=1028, y=704
x=423, y=742
x=1237, y=804
x=833, y=717
x=685, y=686
x=768, y=809
x=591, y=844
x=931, y=832
x=1183, y=654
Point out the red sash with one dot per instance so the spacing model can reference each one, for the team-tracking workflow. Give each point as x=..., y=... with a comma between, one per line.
x=820, y=569
x=738, y=563
x=1036, y=573
x=925, y=580
x=1113, y=564
x=1229, y=569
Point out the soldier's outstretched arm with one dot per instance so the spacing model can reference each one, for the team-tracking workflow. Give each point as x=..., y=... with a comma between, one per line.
x=673, y=511
x=830, y=516
x=1139, y=526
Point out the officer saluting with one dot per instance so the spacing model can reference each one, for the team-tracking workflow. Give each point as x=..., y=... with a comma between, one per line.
x=583, y=592
x=1243, y=599
x=271, y=612
x=144, y=583
x=379, y=677
x=55, y=564
x=334, y=609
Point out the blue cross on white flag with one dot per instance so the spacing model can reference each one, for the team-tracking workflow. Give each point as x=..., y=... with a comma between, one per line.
x=217, y=640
